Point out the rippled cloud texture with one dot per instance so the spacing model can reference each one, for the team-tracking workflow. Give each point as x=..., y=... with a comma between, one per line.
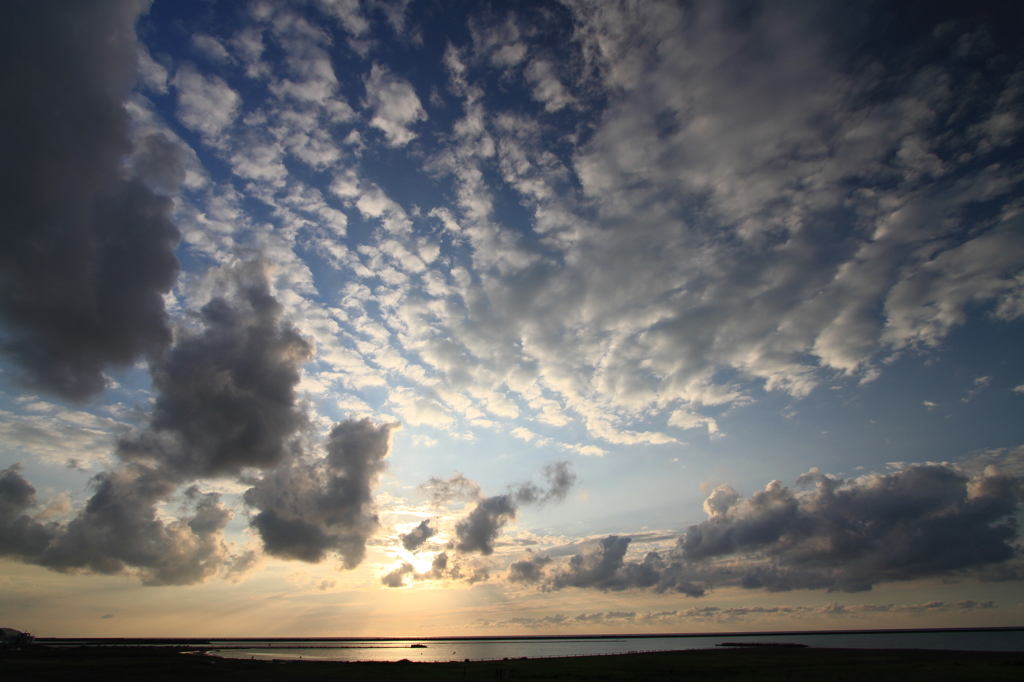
x=666, y=307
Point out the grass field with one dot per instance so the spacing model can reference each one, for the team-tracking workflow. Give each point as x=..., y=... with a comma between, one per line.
x=156, y=665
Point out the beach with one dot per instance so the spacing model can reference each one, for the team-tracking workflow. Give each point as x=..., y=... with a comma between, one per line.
x=84, y=664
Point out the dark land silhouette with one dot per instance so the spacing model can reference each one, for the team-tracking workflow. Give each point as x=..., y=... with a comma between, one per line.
x=155, y=664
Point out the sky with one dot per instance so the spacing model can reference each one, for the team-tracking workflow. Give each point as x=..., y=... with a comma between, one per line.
x=426, y=318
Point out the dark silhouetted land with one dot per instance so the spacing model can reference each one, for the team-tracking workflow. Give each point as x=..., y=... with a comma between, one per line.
x=85, y=664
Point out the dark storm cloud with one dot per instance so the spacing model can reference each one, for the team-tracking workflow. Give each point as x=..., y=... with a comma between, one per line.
x=415, y=538
x=308, y=509
x=86, y=251
x=226, y=395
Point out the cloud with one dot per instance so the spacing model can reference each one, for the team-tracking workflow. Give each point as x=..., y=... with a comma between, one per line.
x=225, y=395
x=306, y=509
x=980, y=384
x=442, y=567
x=603, y=568
x=159, y=162
x=206, y=104
x=396, y=578
x=721, y=237
x=420, y=410
x=546, y=86
x=478, y=531
x=735, y=613
x=225, y=404
x=529, y=569
x=395, y=106
x=921, y=521
x=55, y=433
x=88, y=251
x=210, y=47
x=20, y=534
x=348, y=14
x=560, y=479
x=415, y=538
x=585, y=450
x=152, y=74
x=455, y=488
x=924, y=520
x=119, y=529
x=685, y=419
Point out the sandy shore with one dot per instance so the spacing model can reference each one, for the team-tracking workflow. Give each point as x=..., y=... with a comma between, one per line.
x=84, y=664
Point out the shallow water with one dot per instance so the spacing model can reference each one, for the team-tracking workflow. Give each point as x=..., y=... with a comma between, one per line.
x=496, y=649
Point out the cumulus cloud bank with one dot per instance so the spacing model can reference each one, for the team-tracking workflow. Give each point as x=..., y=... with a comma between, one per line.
x=843, y=535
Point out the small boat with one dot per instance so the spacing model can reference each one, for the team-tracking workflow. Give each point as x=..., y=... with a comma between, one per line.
x=418, y=646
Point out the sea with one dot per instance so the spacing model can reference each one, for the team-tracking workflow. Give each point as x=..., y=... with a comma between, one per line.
x=482, y=649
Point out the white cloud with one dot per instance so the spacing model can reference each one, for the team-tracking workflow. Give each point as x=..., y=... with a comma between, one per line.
x=205, y=104
x=524, y=434
x=348, y=13
x=395, y=105
x=58, y=436
x=210, y=47
x=419, y=410
x=248, y=45
x=686, y=419
x=152, y=74
x=546, y=86
x=585, y=450
x=980, y=384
